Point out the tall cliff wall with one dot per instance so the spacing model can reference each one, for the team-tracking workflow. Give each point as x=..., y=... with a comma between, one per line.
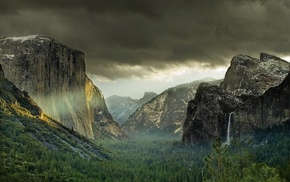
x=266, y=111
x=54, y=75
x=246, y=80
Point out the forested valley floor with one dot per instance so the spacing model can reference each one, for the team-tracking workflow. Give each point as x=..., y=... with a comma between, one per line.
x=265, y=157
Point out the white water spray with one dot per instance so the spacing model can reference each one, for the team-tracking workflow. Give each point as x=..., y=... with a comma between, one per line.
x=229, y=129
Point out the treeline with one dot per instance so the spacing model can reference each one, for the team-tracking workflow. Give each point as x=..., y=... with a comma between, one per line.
x=23, y=158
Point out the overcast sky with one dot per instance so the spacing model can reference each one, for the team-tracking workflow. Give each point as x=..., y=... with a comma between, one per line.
x=133, y=46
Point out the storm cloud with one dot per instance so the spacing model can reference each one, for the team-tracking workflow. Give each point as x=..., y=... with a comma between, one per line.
x=137, y=38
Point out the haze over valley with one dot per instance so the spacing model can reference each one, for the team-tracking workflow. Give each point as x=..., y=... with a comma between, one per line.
x=145, y=90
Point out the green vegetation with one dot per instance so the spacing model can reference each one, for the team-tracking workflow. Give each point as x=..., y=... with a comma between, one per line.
x=226, y=165
x=156, y=159
x=139, y=159
x=34, y=149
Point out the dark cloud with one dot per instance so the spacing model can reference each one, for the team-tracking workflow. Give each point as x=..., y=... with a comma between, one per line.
x=118, y=36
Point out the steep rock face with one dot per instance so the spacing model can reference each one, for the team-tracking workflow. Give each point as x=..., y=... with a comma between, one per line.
x=272, y=108
x=246, y=79
x=248, y=76
x=103, y=123
x=164, y=113
x=1, y=72
x=11, y=96
x=122, y=107
x=207, y=114
x=54, y=75
x=22, y=117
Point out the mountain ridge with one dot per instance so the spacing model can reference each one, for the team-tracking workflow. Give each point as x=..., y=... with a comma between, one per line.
x=165, y=113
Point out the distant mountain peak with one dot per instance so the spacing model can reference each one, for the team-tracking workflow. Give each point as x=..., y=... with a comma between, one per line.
x=208, y=79
x=122, y=107
x=165, y=113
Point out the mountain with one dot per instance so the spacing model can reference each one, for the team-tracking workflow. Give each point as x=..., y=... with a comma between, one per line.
x=246, y=80
x=122, y=107
x=35, y=147
x=165, y=113
x=54, y=75
x=24, y=124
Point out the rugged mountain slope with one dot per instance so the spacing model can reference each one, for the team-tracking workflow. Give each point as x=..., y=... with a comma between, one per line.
x=122, y=107
x=24, y=124
x=247, y=78
x=54, y=75
x=164, y=113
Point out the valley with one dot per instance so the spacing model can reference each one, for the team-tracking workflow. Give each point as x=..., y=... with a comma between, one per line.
x=55, y=124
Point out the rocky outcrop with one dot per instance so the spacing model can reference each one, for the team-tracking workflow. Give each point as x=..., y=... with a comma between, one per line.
x=246, y=79
x=248, y=76
x=122, y=107
x=54, y=75
x=165, y=113
x=207, y=114
x=266, y=111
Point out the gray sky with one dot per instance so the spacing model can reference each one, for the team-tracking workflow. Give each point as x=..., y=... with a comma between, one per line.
x=133, y=46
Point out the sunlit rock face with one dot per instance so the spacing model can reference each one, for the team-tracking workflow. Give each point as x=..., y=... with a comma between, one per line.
x=165, y=113
x=11, y=96
x=246, y=80
x=54, y=75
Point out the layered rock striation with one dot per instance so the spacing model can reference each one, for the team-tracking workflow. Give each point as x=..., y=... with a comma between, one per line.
x=243, y=91
x=54, y=75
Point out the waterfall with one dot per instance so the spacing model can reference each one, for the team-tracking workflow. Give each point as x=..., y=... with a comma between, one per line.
x=229, y=129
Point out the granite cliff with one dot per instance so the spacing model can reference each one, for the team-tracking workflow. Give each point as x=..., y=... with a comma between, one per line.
x=268, y=110
x=54, y=75
x=165, y=113
x=249, y=76
x=24, y=126
x=246, y=80
x=207, y=113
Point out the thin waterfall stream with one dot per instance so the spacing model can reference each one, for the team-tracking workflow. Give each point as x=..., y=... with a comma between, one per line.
x=229, y=129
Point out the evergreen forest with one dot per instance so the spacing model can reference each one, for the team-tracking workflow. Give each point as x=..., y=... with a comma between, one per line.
x=264, y=157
